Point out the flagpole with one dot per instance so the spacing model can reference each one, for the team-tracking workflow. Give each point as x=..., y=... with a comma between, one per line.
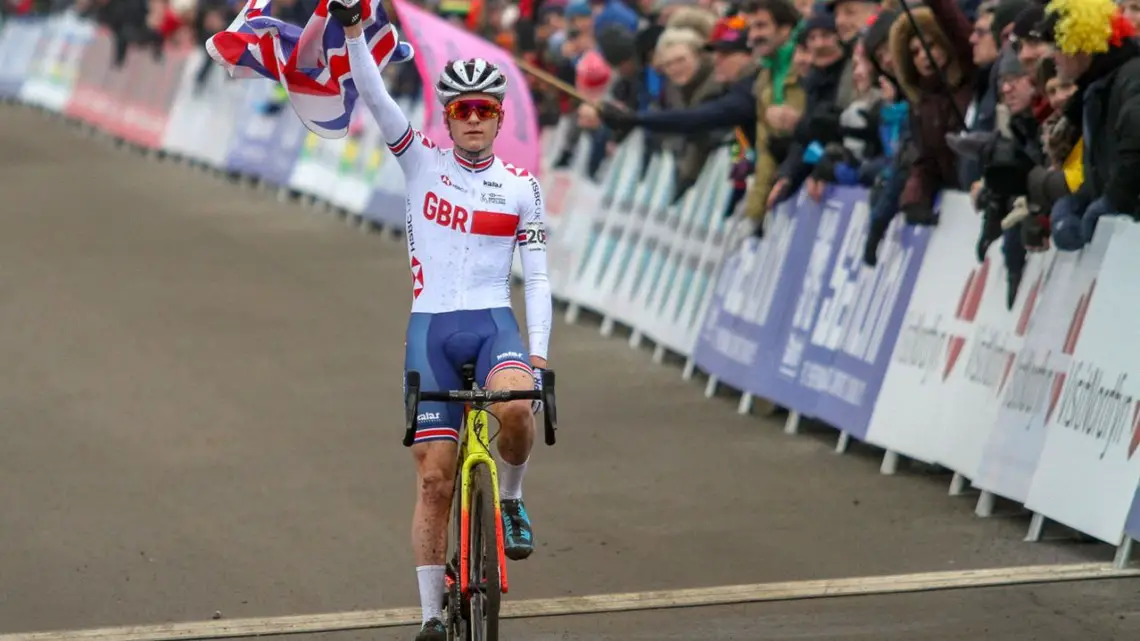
x=551, y=80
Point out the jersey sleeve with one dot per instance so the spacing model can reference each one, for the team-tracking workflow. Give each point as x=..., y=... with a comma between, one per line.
x=532, y=250
x=408, y=145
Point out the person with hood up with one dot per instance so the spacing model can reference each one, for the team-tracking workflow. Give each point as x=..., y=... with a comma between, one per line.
x=935, y=68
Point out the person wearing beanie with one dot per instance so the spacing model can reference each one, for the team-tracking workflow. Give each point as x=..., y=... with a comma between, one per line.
x=613, y=12
x=1007, y=161
x=851, y=16
x=1097, y=50
x=1004, y=17
x=1027, y=38
x=826, y=97
x=991, y=28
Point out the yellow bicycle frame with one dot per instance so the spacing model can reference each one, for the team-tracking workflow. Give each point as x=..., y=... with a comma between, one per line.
x=475, y=449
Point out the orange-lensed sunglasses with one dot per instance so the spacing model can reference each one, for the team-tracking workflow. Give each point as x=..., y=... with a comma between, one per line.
x=482, y=108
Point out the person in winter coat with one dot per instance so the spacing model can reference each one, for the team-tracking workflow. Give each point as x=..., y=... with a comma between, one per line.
x=767, y=105
x=680, y=56
x=860, y=159
x=895, y=131
x=936, y=70
x=826, y=95
x=1096, y=48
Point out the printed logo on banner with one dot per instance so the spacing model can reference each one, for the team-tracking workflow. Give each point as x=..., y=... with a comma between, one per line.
x=1091, y=406
x=1088, y=471
x=1049, y=328
x=750, y=307
x=850, y=343
x=1071, y=338
x=801, y=321
x=931, y=348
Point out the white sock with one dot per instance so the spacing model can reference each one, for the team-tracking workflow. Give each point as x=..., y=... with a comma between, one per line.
x=510, y=480
x=431, y=590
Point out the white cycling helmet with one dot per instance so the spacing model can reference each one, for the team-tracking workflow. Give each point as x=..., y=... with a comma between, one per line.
x=474, y=75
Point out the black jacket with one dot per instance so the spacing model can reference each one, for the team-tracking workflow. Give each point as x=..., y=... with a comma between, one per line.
x=1107, y=102
x=736, y=108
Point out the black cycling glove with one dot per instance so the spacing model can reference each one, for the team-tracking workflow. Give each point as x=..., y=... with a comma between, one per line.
x=346, y=12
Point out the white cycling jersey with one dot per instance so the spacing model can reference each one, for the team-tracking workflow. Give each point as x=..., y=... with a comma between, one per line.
x=463, y=219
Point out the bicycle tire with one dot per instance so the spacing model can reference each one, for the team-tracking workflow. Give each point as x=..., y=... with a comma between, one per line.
x=483, y=622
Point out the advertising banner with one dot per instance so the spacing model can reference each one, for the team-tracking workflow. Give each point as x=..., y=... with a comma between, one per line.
x=267, y=136
x=96, y=97
x=53, y=72
x=19, y=46
x=1132, y=526
x=204, y=114
x=798, y=319
x=847, y=352
x=316, y=169
x=973, y=389
x=148, y=97
x=749, y=311
x=1089, y=469
x=1052, y=325
x=354, y=184
x=931, y=342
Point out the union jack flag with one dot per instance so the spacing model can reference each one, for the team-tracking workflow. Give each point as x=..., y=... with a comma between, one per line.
x=311, y=63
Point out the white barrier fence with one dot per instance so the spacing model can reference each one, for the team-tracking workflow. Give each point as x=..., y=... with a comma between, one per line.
x=1039, y=405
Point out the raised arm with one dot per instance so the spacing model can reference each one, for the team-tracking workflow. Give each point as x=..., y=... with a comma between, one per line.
x=532, y=250
x=407, y=145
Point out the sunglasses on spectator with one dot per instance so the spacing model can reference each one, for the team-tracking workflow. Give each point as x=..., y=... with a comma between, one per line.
x=483, y=109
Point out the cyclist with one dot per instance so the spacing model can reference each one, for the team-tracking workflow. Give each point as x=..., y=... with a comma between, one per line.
x=466, y=211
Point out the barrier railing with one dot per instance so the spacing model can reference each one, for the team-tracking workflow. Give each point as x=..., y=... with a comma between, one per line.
x=1038, y=404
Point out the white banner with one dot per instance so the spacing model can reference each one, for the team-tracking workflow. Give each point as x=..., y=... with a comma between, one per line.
x=1030, y=398
x=19, y=43
x=932, y=342
x=1088, y=471
x=52, y=75
x=204, y=115
x=971, y=398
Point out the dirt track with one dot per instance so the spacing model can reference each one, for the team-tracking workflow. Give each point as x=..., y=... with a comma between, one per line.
x=200, y=412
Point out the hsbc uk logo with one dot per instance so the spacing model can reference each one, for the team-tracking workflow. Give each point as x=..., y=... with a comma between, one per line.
x=417, y=278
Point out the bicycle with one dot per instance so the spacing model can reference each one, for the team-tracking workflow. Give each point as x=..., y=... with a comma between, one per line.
x=471, y=603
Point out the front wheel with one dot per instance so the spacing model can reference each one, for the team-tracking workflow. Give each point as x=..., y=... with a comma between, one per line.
x=483, y=604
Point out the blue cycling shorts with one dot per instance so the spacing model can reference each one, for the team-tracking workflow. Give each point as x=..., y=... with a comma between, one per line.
x=439, y=345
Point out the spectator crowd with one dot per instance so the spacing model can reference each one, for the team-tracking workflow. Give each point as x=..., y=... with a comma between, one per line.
x=1032, y=107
